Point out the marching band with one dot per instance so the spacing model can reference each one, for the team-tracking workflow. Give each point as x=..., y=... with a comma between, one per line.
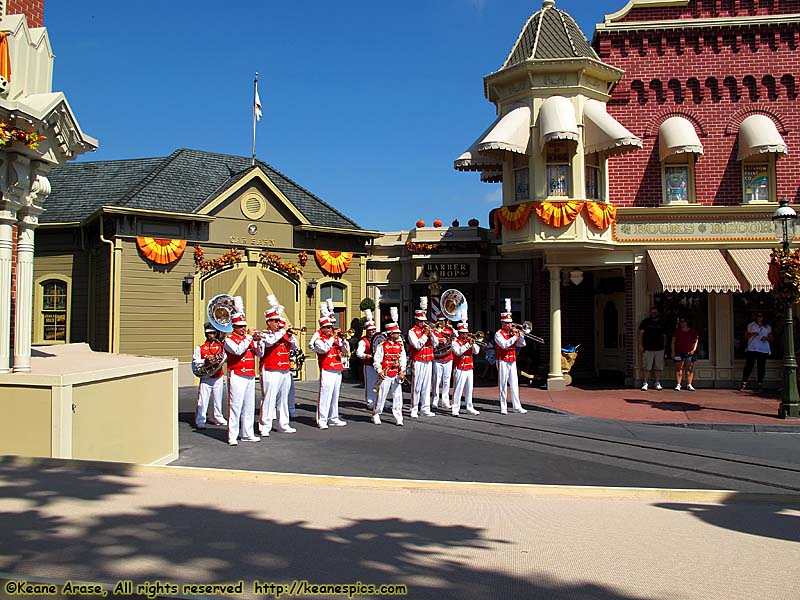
x=437, y=355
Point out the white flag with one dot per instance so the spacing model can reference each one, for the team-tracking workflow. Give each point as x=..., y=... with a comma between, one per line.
x=257, y=105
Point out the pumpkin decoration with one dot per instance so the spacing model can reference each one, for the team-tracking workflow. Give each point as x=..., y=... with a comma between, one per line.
x=455, y=223
x=420, y=223
x=473, y=222
x=161, y=251
x=437, y=223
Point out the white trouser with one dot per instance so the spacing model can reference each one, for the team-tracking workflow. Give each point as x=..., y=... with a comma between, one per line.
x=275, y=387
x=463, y=386
x=241, y=405
x=328, y=399
x=210, y=387
x=442, y=371
x=370, y=378
x=507, y=376
x=390, y=385
x=421, y=385
x=291, y=396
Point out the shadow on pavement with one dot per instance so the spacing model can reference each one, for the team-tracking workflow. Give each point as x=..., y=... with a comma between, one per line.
x=689, y=407
x=772, y=521
x=204, y=544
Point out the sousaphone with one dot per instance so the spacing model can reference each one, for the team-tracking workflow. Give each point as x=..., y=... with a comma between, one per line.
x=220, y=311
x=453, y=305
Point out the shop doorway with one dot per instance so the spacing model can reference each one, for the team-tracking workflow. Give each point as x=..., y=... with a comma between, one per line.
x=610, y=336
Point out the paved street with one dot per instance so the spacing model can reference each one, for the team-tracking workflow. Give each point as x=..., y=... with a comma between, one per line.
x=537, y=447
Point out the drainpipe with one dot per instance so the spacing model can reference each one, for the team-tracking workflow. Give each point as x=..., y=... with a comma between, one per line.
x=112, y=284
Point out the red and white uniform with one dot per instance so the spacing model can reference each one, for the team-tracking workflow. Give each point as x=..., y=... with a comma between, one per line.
x=364, y=351
x=463, y=351
x=443, y=368
x=329, y=349
x=421, y=347
x=276, y=378
x=209, y=387
x=390, y=359
x=241, y=385
x=506, y=344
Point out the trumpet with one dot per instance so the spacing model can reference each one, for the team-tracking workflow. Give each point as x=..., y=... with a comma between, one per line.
x=525, y=329
x=295, y=330
x=348, y=334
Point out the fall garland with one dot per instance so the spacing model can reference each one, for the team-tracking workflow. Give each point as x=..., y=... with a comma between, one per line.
x=9, y=134
x=432, y=248
x=600, y=214
x=333, y=262
x=514, y=217
x=203, y=265
x=784, y=274
x=161, y=251
x=273, y=261
x=559, y=214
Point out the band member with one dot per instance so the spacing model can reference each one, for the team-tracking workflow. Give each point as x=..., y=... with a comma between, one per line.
x=390, y=366
x=365, y=351
x=329, y=346
x=507, y=340
x=211, y=385
x=464, y=347
x=443, y=363
x=292, y=407
x=276, y=378
x=421, y=344
x=241, y=352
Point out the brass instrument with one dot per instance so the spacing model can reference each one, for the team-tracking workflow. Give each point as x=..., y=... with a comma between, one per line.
x=478, y=338
x=345, y=336
x=211, y=366
x=525, y=329
x=296, y=330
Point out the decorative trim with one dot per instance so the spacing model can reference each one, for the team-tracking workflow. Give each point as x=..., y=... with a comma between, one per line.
x=600, y=214
x=559, y=214
x=651, y=129
x=514, y=217
x=732, y=126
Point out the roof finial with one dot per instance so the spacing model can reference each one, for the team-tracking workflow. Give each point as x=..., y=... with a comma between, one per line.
x=548, y=3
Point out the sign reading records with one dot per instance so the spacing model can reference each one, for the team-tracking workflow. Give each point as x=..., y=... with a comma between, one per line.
x=447, y=269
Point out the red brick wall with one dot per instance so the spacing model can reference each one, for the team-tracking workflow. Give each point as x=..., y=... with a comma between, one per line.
x=32, y=9
x=714, y=77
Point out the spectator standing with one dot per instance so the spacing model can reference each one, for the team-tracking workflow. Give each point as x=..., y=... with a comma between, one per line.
x=652, y=346
x=759, y=337
x=684, y=352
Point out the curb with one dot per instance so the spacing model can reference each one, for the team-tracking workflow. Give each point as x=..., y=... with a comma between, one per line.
x=527, y=489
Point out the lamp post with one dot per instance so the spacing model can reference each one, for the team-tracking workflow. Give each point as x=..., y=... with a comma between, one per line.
x=785, y=218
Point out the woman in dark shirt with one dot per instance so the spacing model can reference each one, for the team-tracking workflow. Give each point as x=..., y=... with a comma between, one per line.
x=684, y=352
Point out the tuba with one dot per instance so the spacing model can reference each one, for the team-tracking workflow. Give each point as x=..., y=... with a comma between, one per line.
x=220, y=312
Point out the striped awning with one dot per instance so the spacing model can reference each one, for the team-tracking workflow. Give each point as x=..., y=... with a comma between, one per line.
x=695, y=270
x=752, y=266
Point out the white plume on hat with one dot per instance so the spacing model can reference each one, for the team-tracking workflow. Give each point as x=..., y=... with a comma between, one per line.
x=423, y=303
x=368, y=314
x=464, y=314
x=393, y=313
x=329, y=303
x=508, y=304
x=323, y=310
x=238, y=305
x=272, y=301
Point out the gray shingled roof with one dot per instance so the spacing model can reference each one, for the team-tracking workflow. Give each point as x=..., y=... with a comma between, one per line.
x=184, y=181
x=550, y=34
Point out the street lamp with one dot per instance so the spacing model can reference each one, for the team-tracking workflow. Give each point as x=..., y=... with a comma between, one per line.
x=785, y=218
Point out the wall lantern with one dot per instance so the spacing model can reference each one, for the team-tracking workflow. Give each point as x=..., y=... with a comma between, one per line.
x=186, y=284
x=576, y=276
x=311, y=287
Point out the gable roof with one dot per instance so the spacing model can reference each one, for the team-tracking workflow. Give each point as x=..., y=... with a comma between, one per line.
x=182, y=182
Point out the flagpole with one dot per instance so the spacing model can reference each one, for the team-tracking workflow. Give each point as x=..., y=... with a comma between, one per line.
x=255, y=93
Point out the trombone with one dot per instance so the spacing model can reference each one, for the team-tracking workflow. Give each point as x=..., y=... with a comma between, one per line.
x=526, y=329
x=295, y=330
x=478, y=339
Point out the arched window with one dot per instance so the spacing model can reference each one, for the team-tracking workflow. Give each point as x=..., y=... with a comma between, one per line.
x=337, y=292
x=52, y=315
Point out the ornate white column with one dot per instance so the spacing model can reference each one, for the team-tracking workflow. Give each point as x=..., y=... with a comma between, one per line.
x=26, y=227
x=13, y=188
x=555, y=378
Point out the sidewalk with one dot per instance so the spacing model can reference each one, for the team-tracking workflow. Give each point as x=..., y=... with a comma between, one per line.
x=104, y=523
x=699, y=408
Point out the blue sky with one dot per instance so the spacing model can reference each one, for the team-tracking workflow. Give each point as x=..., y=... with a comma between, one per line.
x=366, y=104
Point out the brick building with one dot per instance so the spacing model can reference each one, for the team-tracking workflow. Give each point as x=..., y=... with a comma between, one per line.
x=700, y=99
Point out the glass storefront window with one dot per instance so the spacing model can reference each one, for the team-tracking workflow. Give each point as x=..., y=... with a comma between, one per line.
x=54, y=311
x=592, y=177
x=557, y=157
x=745, y=307
x=677, y=183
x=755, y=181
x=522, y=184
x=693, y=306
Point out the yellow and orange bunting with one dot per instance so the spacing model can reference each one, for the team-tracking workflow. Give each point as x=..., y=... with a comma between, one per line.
x=161, y=251
x=559, y=214
x=600, y=214
x=5, y=58
x=333, y=262
x=514, y=217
